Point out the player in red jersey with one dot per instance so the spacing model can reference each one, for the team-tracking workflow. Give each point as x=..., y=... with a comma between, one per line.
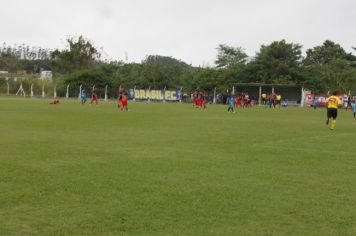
x=119, y=101
x=198, y=102
x=194, y=98
x=55, y=102
x=236, y=102
x=124, y=103
x=94, y=97
x=204, y=101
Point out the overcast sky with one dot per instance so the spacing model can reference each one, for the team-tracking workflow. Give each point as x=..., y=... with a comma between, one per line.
x=189, y=30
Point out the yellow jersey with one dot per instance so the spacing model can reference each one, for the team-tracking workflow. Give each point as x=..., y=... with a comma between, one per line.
x=279, y=97
x=333, y=102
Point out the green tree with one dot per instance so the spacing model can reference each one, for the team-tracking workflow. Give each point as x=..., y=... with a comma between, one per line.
x=160, y=71
x=278, y=62
x=81, y=54
x=339, y=75
x=329, y=67
x=324, y=54
x=229, y=56
x=128, y=75
x=9, y=59
x=99, y=76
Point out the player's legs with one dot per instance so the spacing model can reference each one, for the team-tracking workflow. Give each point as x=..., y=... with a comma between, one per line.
x=124, y=106
x=328, y=116
x=333, y=116
x=332, y=124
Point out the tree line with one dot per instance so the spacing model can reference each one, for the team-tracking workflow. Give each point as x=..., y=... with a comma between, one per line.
x=323, y=68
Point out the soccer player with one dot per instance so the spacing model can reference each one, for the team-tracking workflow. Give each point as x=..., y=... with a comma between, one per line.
x=354, y=108
x=285, y=102
x=55, y=102
x=230, y=101
x=236, y=102
x=124, y=103
x=278, y=100
x=315, y=103
x=94, y=97
x=83, y=97
x=119, y=102
x=332, y=104
x=198, y=102
x=268, y=101
x=204, y=101
x=272, y=100
x=349, y=102
x=263, y=98
x=195, y=98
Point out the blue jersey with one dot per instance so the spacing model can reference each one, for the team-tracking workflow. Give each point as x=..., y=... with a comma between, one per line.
x=231, y=101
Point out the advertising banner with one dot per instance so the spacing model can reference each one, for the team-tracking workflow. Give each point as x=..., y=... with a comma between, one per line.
x=155, y=95
x=309, y=98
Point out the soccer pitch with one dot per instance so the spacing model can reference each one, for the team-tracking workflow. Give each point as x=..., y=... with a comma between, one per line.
x=170, y=169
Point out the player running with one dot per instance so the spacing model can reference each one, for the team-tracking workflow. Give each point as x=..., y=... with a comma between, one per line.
x=332, y=104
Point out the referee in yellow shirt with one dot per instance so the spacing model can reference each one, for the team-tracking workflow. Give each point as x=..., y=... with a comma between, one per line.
x=332, y=104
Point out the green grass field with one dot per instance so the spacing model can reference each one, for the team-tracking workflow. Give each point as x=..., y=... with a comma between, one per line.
x=169, y=169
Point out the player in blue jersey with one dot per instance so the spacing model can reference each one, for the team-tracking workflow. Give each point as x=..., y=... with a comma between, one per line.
x=354, y=108
x=83, y=97
x=230, y=102
x=315, y=103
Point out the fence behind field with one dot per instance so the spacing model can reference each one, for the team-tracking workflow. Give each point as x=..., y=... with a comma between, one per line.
x=49, y=90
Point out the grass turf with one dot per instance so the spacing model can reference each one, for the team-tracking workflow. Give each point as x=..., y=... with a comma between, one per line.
x=169, y=169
